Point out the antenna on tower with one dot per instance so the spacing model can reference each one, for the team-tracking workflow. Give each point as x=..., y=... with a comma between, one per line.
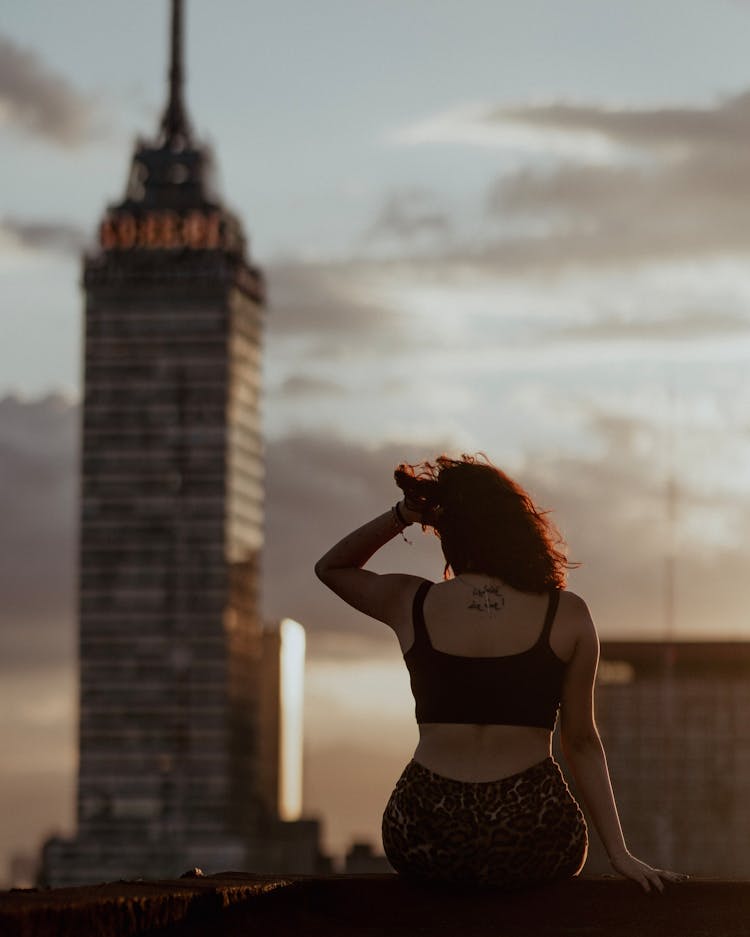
x=175, y=126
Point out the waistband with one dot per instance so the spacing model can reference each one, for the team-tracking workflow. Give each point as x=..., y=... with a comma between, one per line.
x=538, y=771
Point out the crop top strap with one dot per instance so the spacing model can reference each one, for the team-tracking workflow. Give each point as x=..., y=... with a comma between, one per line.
x=421, y=638
x=554, y=601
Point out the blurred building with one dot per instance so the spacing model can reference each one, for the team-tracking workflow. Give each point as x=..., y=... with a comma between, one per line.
x=184, y=760
x=675, y=721
x=361, y=859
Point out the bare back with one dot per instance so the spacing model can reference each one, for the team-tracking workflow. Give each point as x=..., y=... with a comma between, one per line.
x=477, y=616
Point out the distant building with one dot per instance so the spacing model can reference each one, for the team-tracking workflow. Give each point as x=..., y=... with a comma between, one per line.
x=183, y=708
x=361, y=859
x=675, y=721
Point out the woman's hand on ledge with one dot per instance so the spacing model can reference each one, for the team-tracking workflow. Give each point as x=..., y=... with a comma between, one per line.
x=647, y=877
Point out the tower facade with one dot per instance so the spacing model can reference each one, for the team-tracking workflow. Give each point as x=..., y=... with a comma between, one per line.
x=171, y=643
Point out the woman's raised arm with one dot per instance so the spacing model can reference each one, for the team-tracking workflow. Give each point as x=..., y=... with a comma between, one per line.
x=381, y=596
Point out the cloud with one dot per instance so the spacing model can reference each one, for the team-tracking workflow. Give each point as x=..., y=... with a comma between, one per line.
x=327, y=302
x=678, y=129
x=308, y=385
x=610, y=505
x=573, y=125
x=603, y=186
x=473, y=125
x=376, y=311
x=684, y=197
x=689, y=325
x=410, y=213
x=41, y=102
x=38, y=488
x=45, y=235
x=599, y=215
x=613, y=508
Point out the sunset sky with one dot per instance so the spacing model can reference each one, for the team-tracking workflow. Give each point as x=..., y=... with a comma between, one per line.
x=486, y=225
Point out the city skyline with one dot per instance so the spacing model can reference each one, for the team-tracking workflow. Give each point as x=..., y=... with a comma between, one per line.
x=525, y=235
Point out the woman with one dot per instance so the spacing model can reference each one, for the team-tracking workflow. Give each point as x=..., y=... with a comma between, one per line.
x=493, y=652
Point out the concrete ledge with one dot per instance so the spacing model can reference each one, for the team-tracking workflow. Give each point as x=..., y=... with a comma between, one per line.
x=241, y=905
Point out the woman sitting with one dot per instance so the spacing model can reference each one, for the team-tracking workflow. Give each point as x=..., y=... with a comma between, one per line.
x=494, y=652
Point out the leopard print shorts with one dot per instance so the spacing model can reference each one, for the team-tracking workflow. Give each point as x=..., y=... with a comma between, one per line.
x=515, y=832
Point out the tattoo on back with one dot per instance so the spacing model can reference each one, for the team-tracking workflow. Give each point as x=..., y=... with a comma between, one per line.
x=486, y=599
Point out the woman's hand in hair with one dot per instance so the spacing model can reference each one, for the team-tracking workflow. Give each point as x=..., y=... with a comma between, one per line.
x=647, y=877
x=410, y=511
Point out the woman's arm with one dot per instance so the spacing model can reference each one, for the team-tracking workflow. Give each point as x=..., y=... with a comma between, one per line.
x=585, y=754
x=381, y=597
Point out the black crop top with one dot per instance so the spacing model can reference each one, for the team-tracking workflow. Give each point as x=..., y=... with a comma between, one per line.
x=515, y=689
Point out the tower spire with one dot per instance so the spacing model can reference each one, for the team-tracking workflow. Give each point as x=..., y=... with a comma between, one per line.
x=175, y=126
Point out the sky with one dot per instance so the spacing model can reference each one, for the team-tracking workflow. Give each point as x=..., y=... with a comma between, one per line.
x=520, y=229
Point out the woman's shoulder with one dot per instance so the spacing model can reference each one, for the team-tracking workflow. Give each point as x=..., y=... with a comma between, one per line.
x=573, y=604
x=403, y=588
x=573, y=626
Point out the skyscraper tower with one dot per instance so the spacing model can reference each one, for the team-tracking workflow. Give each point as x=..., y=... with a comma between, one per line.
x=171, y=643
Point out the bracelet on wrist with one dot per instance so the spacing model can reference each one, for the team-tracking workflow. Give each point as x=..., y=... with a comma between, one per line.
x=399, y=517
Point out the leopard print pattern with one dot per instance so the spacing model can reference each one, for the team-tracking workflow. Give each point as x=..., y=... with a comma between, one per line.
x=516, y=832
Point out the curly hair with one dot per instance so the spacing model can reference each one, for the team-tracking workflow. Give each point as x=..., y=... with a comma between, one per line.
x=486, y=522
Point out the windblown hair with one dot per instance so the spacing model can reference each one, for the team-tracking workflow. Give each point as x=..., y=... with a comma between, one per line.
x=486, y=522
